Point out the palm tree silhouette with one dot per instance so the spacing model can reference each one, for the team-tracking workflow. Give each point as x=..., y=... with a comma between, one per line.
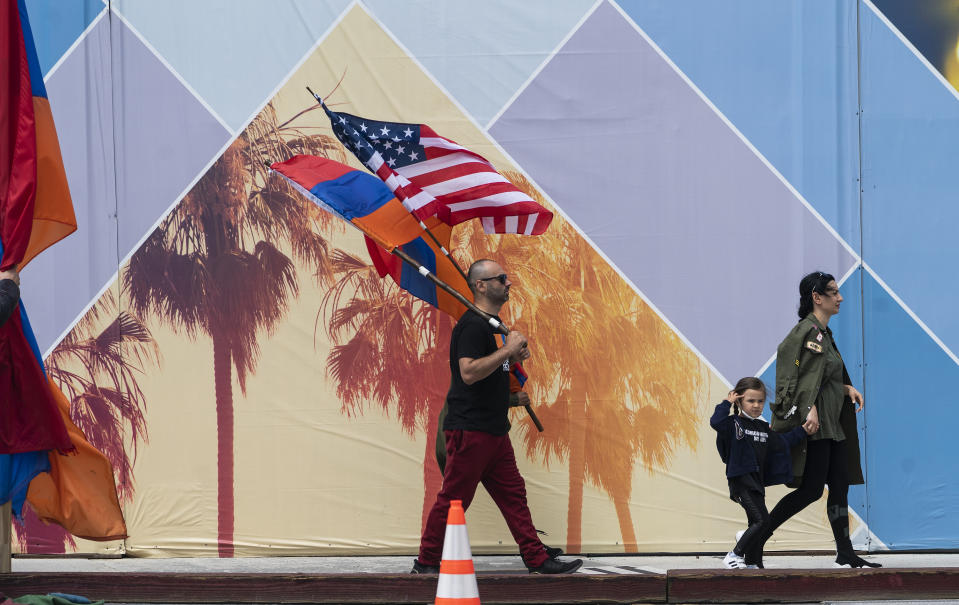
x=622, y=384
x=213, y=267
x=97, y=368
x=635, y=400
x=390, y=350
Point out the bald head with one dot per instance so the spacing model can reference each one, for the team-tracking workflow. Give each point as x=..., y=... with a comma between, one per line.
x=479, y=270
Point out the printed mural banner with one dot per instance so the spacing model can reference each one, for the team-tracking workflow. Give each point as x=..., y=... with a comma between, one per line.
x=276, y=396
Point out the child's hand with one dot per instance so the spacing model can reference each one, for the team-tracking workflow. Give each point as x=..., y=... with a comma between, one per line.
x=734, y=398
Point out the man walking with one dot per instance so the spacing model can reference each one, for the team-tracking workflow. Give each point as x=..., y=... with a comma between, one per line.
x=478, y=449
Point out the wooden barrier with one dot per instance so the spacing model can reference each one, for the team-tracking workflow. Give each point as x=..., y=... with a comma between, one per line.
x=353, y=588
x=811, y=585
x=677, y=586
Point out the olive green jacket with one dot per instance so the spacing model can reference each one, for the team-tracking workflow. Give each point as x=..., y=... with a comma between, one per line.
x=799, y=372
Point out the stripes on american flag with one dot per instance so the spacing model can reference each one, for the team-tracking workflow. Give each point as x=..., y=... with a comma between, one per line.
x=433, y=175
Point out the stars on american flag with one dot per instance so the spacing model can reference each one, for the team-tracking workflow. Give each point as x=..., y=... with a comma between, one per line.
x=472, y=189
x=398, y=144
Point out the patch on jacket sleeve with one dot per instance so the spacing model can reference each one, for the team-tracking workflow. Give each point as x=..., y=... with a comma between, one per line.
x=815, y=347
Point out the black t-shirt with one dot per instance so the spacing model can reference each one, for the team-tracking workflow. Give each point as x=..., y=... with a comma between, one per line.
x=483, y=405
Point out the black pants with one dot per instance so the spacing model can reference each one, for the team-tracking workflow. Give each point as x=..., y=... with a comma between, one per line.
x=754, y=503
x=825, y=465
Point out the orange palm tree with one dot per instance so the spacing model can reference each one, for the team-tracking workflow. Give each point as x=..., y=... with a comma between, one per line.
x=607, y=410
x=97, y=368
x=213, y=267
x=636, y=399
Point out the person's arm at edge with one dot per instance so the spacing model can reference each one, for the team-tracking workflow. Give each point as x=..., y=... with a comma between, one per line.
x=9, y=296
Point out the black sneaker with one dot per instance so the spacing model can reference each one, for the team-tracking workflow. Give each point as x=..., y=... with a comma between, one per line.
x=852, y=560
x=555, y=566
x=552, y=553
x=427, y=569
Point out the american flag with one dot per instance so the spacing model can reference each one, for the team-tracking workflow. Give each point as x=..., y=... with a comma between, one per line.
x=433, y=175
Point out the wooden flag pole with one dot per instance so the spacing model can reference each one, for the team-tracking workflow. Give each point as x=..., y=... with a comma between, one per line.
x=497, y=325
x=6, y=531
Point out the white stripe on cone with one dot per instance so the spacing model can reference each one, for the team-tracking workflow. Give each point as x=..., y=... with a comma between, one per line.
x=457, y=586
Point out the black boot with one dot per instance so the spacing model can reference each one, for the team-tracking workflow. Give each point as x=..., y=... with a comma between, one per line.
x=838, y=516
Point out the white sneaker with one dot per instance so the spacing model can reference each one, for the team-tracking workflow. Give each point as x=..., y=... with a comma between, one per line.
x=734, y=561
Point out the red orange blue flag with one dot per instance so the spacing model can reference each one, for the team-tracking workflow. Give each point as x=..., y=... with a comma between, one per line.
x=77, y=492
x=31, y=421
x=364, y=201
x=36, y=210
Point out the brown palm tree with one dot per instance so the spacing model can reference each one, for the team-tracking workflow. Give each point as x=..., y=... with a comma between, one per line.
x=635, y=399
x=390, y=350
x=213, y=267
x=97, y=367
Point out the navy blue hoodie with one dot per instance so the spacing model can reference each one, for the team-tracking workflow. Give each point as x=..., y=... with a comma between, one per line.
x=740, y=457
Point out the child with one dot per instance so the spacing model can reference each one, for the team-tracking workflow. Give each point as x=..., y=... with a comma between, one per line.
x=755, y=456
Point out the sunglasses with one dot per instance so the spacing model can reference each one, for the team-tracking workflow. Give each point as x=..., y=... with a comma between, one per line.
x=501, y=277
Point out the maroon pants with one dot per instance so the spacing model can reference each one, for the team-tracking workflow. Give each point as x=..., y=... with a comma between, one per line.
x=474, y=457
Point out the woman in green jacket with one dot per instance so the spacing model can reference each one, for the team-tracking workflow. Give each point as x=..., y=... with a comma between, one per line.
x=812, y=386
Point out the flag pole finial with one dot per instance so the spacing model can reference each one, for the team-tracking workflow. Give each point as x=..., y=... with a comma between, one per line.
x=315, y=96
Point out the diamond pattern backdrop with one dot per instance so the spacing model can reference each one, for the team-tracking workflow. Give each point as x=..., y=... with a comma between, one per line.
x=708, y=155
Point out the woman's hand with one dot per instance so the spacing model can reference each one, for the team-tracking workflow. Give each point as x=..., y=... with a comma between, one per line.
x=812, y=421
x=856, y=397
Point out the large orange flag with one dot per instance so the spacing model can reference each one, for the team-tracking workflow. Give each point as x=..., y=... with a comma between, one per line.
x=79, y=492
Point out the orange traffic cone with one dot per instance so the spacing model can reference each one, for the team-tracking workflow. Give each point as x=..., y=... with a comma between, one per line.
x=457, y=585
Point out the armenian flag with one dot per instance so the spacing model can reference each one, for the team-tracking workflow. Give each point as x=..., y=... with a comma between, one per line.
x=78, y=491
x=364, y=201
x=35, y=206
